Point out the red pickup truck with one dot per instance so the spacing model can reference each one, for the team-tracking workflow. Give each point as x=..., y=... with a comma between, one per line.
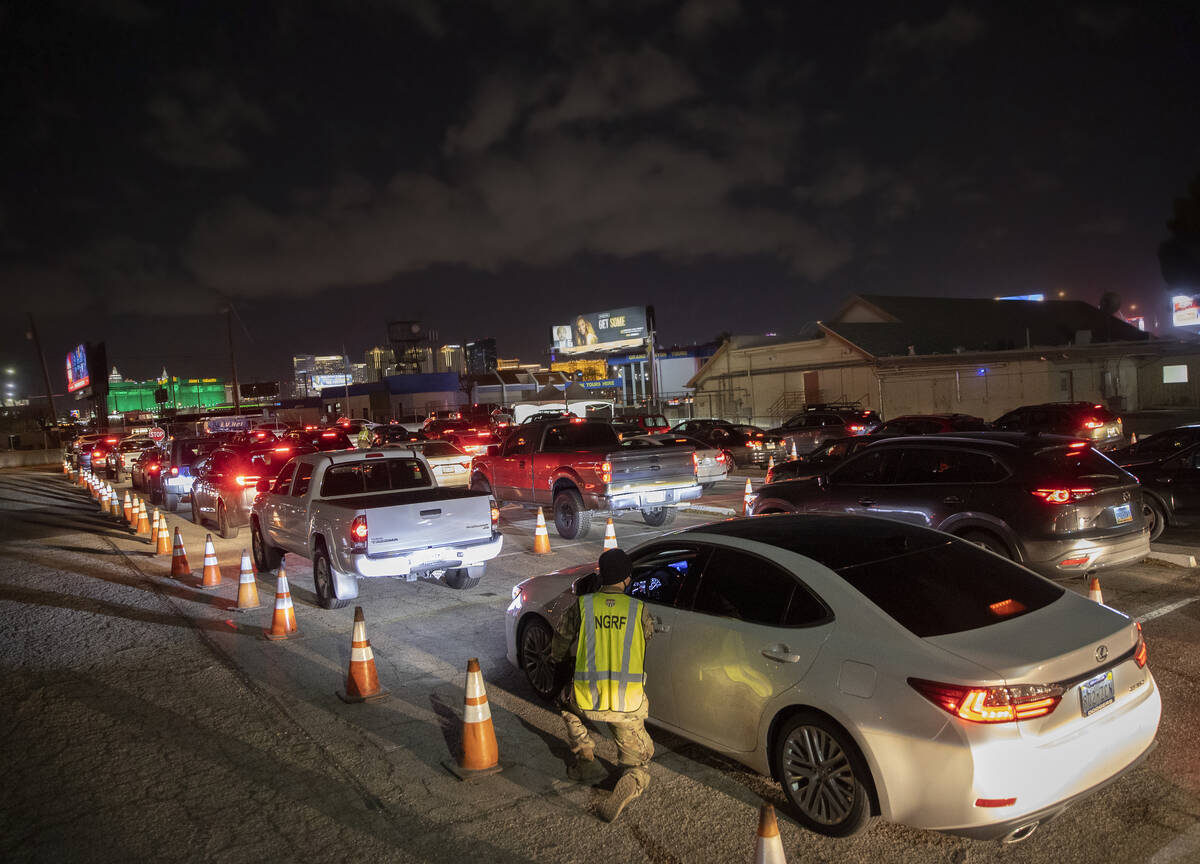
x=580, y=467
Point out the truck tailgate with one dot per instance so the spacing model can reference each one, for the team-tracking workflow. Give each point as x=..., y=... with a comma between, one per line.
x=402, y=521
x=662, y=468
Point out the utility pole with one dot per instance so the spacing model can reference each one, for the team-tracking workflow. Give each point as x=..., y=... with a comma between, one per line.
x=237, y=390
x=37, y=346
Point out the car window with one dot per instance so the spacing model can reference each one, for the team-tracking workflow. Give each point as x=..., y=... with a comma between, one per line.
x=438, y=449
x=744, y=587
x=660, y=574
x=936, y=465
x=1165, y=443
x=303, y=479
x=950, y=588
x=518, y=443
x=875, y=465
x=575, y=436
x=284, y=480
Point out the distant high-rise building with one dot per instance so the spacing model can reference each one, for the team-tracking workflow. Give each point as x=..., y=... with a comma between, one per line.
x=380, y=362
x=481, y=356
x=450, y=358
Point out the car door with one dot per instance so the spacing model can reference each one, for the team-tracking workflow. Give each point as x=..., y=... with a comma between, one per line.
x=856, y=484
x=663, y=574
x=203, y=494
x=293, y=511
x=276, y=504
x=931, y=484
x=752, y=631
x=514, y=467
x=1179, y=479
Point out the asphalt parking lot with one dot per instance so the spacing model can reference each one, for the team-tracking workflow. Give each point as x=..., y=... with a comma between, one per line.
x=147, y=719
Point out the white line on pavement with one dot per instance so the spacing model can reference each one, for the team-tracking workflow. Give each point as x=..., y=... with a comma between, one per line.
x=1165, y=610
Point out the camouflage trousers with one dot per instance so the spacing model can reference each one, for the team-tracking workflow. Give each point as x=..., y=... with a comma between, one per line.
x=635, y=748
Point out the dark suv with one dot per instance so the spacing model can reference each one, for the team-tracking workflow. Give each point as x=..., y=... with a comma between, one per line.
x=1168, y=466
x=226, y=481
x=817, y=424
x=932, y=424
x=1102, y=429
x=1052, y=503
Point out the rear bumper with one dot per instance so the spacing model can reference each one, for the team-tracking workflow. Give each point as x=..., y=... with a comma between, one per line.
x=421, y=561
x=1046, y=556
x=181, y=486
x=643, y=499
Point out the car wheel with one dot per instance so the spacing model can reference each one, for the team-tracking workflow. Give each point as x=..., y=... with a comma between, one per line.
x=1156, y=517
x=172, y=502
x=659, y=516
x=823, y=775
x=229, y=532
x=533, y=649
x=570, y=519
x=460, y=578
x=266, y=556
x=987, y=541
x=323, y=580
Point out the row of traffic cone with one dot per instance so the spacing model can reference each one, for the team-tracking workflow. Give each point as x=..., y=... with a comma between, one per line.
x=541, y=537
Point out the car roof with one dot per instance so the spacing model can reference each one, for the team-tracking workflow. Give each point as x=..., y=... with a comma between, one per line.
x=1031, y=441
x=837, y=541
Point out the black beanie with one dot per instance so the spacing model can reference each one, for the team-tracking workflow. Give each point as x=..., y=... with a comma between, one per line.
x=614, y=567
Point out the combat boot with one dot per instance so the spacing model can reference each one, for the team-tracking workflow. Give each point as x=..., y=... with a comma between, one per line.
x=587, y=770
x=626, y=790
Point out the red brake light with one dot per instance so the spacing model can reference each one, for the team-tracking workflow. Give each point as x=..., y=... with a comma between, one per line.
x=991, y=704
x=495, y=515
x=154, y=469
x=721, y=456
x=358, y=533
x=174, y=471
x=577, y=420
x=283, y=449
x=1063, y=496
x=854, y=427
x=1140, y=653
x=606, y=472
x=1092, y=424
x=245, y=480
x=1077, y=445
x=329, y=434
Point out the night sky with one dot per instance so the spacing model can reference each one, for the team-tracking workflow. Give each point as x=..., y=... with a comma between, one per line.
x=492, y=168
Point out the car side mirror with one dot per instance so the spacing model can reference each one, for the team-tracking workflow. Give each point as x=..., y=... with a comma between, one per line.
x=263, y=485
x=493, y=450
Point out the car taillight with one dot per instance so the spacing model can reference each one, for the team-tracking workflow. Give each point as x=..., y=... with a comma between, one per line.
x=721, y=456
x=358, y=533
x=695, y=461
x=495, y=514
x=1140, y=653
x=174, y=471
x=329, y=434
x=1092, y=424
x=606, y=472
x=154, y=469
x=244, y=480
x=855, y=428
x=1063, y=496
x=991, y=704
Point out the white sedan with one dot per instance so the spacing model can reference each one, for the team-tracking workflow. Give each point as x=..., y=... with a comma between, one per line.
x=876, y=668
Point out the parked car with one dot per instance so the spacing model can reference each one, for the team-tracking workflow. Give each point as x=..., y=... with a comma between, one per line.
x=143, y=473
x=819, y=423
x=473, y=442
x=580, y=469
x=439, y=428
x=1169, y=471
x=746, y=445
x=651, y=424
x=121, y=456
x=1158, y=446
x=712, y=463
x=225, y=482
x=628, y=430
x=324, y=439
x=172, y=483
x=1103, y=429
x=95, y=456
x=932, y=424
x=370, y=514
x=823, y=459
x=76, y=447
x=1050, y=502
x=848, y=656
x=397, y=434
x=449, y=465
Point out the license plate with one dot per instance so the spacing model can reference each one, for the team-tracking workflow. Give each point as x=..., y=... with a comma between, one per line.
x=654, y=497
x=1096, y=693
x=1113, y=430
x=1122, y=513
x=447, y=469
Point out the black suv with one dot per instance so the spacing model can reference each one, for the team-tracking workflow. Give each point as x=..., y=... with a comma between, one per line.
x=819, y=423
x=1168, y=466
x=1052, y=503
x=1102, y=429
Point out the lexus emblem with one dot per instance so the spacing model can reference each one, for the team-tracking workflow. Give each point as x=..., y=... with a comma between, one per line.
x=1101, y=653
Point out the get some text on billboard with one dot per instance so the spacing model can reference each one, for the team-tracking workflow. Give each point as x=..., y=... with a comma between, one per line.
x=601, y=331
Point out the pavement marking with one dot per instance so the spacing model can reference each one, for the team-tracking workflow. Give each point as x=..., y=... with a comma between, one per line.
x=1165, y=610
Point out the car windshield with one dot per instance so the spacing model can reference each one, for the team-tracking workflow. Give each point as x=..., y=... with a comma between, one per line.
x=374, y=475
x=190, y=451
x=1072, y=464
x=1166, y=443
x=437, y=449
x=950, y=588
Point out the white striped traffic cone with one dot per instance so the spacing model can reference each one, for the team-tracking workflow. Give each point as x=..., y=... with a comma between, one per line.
x=283, y=620
x=768, y=849
x=480, y=753
x=362, y=681
x=247, y=584
x=610, y=535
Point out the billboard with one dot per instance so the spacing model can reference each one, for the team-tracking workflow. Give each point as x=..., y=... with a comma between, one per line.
x=77, y=369
x=601, y=331
x=1184, y=311
x=319, y=382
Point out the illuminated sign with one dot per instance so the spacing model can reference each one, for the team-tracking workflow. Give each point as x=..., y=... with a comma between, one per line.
x=77, y=369
x=1037, y=297
x=1184, y=311
x=322, y=381
x=601, y=331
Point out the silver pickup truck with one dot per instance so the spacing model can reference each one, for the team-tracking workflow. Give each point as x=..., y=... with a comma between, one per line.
x=367, y=514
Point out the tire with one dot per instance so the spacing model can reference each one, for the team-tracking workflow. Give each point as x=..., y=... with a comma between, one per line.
x=323, y=579
x=811, y=747
x=479, y=483
x=1156, y=517
x=460, y=578
x=155, y=494
x=266, y=556
x=570, y=519
x=533, y=651
x=197, y=516
x=659, y=516
x=988, y=541
x=172, y=503
x=229, y=532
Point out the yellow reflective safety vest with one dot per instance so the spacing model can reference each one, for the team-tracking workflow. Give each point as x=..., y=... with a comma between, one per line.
x=611, y=658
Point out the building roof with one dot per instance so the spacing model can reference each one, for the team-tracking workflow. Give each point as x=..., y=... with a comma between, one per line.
x=884, y=326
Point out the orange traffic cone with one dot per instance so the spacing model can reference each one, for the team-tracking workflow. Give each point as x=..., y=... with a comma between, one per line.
x=179, y=562
x=610, y=535
x=768, y=849
x=362, y=681
x=541, y=539
x=163, y=546
x=770, y=462
x=114, y=503
x=154, y=525
x=248, y=585
x=1132, y=437
x=795, y=455
x=1094, y=590
x=480, y=754
x=143, y=522
x=211, y=577
x=127, y=509
x=283, y=622
x=747, y=498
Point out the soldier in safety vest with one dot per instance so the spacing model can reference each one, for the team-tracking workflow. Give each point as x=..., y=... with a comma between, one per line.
x=607, y=632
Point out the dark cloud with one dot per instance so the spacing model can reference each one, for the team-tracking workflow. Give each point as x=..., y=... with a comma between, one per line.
x=954, y=28
x=199, y=127
x=697, y=17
